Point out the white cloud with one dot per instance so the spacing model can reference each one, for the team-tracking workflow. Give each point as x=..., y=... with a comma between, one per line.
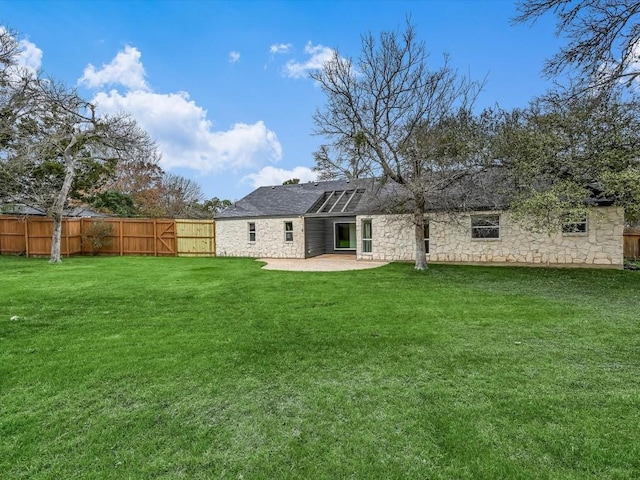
x=234, y=57
x=30, y=57
x=275, y=176
x=184, y=134
x=319, y=56
x=125, y=69
x=280, y=48
x=633, y=60
x=186, y=137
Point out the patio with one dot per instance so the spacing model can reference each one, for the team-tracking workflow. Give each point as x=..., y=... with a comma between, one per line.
x=321, y=263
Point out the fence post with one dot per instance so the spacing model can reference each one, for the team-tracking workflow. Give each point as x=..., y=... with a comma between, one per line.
x=121, y=238
x=26, y=237
x=67, y=234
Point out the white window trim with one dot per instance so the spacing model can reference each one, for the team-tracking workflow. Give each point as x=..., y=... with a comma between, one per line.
x=288, y=222
x=369, y=239
x=427, y=239
x=486, y=239
x=584, y=222
x=346, y=249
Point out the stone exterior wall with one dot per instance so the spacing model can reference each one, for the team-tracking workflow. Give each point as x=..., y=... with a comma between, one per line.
x=232, y=238
x=393, y=238
x=450, y=241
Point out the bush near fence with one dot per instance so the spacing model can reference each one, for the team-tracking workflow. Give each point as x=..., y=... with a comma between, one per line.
x=31, y=236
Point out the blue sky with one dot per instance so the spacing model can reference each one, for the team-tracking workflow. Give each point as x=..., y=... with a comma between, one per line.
x=222, y=86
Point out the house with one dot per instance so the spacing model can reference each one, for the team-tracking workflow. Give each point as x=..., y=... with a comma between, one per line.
x=347, y=217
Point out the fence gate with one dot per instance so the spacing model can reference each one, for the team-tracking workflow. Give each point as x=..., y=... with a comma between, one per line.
x=165, y=237
x=196, y=238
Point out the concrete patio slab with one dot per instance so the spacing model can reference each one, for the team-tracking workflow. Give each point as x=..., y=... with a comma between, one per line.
x=321, y=263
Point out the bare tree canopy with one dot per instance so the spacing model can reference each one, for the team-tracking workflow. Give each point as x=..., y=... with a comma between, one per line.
x=603, y=38
x=9, y=49
x=12, y=84
x=178, y=195
x=389, y=115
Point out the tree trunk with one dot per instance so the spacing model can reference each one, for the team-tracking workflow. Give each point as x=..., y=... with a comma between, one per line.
x=56, y=238
x=421, y=257
x=57, y=210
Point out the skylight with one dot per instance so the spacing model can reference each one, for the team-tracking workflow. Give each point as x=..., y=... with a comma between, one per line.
x=337, y=201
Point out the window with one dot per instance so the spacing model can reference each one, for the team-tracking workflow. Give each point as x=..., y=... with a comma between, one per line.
x=252, y=231
x=485, y=226
x=367, y=241
x=570, y=226
x=426, y=236
x=345, y=236
x=288, y=231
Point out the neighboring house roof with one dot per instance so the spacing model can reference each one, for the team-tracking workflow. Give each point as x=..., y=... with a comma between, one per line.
x=83, y=212
x=21, y=209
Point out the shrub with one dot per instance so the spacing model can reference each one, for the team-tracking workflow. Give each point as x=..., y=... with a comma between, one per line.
x=98, y=235
x=632, y=264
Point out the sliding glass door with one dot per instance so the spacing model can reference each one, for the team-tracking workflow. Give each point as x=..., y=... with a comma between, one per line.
x=344, y=236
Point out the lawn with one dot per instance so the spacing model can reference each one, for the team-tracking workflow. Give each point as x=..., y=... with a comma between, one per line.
x=213, y=368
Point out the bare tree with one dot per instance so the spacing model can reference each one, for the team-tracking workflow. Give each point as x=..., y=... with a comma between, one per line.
x=12, y=84
x=388, y=115
x=60, y=146
x=178, y=195
x=603, y=38
x=9, y=50
x=53, y=144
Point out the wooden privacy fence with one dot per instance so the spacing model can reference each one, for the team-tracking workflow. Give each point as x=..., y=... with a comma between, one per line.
x=31, y=236
x=196, y=238
x=632, y=246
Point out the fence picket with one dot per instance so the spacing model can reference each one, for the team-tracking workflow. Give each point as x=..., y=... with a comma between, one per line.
x=632, y=246
x=31, y=236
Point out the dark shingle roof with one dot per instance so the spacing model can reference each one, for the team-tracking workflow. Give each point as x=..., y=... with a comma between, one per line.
x=362, y=196
x=481, y=190
x=303, y=199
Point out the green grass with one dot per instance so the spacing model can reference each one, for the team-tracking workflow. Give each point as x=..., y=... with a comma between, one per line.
x=213, y=368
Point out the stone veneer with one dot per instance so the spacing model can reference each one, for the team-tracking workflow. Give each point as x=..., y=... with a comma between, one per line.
x=450, y=241
x=232, y=238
